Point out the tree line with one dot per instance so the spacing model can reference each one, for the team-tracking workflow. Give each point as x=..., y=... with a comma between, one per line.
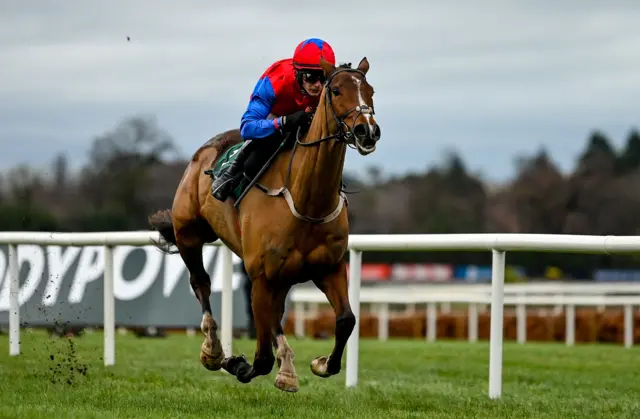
x=135, y=168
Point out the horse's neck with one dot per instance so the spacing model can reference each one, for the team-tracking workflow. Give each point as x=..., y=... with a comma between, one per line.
x=316, y=172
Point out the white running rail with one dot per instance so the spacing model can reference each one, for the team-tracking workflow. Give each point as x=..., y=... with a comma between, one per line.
x=108, y=240
x=498, y=244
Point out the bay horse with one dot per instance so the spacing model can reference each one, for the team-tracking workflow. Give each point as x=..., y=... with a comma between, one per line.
x=282, y=241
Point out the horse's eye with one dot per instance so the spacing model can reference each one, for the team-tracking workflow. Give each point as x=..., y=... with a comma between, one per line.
x=335, y=91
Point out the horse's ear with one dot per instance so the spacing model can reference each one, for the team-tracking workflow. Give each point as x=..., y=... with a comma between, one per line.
x=327, y=67
x=364, y=65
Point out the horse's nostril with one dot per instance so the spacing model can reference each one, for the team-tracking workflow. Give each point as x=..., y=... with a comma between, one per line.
x=376, y=132
x=361, y=131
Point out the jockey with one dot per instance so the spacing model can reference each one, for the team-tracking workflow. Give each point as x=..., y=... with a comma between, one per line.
x=278, y=105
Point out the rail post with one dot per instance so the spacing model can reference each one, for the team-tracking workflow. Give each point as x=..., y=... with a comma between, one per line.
x=14, y=301
x=496, y=333
x=355, y=270
x=109, y=309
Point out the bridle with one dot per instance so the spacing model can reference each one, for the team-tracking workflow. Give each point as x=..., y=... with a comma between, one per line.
x=347, y=136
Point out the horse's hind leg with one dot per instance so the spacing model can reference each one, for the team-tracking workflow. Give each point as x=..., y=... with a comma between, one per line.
x=335, y=288
x=262, y=304
x=286, y=380
x=190, y=246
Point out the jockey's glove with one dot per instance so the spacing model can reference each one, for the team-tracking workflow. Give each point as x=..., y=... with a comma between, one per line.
x=290, y=123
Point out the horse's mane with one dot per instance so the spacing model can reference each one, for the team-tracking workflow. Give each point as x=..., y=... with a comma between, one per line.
x=342, y=184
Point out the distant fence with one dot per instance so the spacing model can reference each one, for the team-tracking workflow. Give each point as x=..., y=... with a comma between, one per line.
x=561, y=295
x=498, y=244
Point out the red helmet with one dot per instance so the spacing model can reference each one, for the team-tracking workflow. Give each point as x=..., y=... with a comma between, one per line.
x=308, y=52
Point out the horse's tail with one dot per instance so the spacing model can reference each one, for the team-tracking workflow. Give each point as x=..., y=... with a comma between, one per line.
x=161, y=222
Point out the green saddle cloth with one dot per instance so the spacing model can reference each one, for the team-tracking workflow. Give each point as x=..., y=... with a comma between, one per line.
x=223, y=162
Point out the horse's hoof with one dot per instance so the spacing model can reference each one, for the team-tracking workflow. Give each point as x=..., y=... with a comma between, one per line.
x=286, y=381
x=319, y=366
x=212, y=362
x=229, y=362
x=243, y=373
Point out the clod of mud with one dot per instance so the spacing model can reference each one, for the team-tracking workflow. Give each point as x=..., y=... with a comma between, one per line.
x=67, y=368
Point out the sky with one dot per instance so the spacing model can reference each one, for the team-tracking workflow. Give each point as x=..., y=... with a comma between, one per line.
x=492, y=80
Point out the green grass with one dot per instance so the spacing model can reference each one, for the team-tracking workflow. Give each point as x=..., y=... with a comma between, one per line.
x=163, y=378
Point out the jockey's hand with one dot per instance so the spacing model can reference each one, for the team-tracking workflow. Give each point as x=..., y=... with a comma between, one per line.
x=297, y=119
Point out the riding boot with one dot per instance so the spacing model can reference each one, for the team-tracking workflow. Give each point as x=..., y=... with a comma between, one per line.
x=228, y=179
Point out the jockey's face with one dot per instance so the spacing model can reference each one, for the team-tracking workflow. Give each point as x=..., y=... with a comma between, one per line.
x=312, y=81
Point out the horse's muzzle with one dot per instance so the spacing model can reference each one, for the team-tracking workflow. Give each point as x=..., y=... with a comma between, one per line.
x=367, y=135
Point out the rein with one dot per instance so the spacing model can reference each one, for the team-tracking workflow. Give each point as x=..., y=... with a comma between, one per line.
x=344, y=134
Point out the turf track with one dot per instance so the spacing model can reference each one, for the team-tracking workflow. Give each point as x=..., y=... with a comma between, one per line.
x=163, y=378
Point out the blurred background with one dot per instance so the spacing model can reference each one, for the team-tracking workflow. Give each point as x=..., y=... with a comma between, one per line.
x=507, y=117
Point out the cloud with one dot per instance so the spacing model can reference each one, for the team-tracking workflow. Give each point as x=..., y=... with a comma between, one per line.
x=491, y=79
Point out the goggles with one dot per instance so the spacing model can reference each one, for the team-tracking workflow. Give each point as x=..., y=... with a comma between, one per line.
x=313, y=76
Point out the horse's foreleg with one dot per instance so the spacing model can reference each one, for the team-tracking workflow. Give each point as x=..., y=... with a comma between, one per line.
x=262, y=305
x=286, y=380
x=211, y=353
x=335, y=288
